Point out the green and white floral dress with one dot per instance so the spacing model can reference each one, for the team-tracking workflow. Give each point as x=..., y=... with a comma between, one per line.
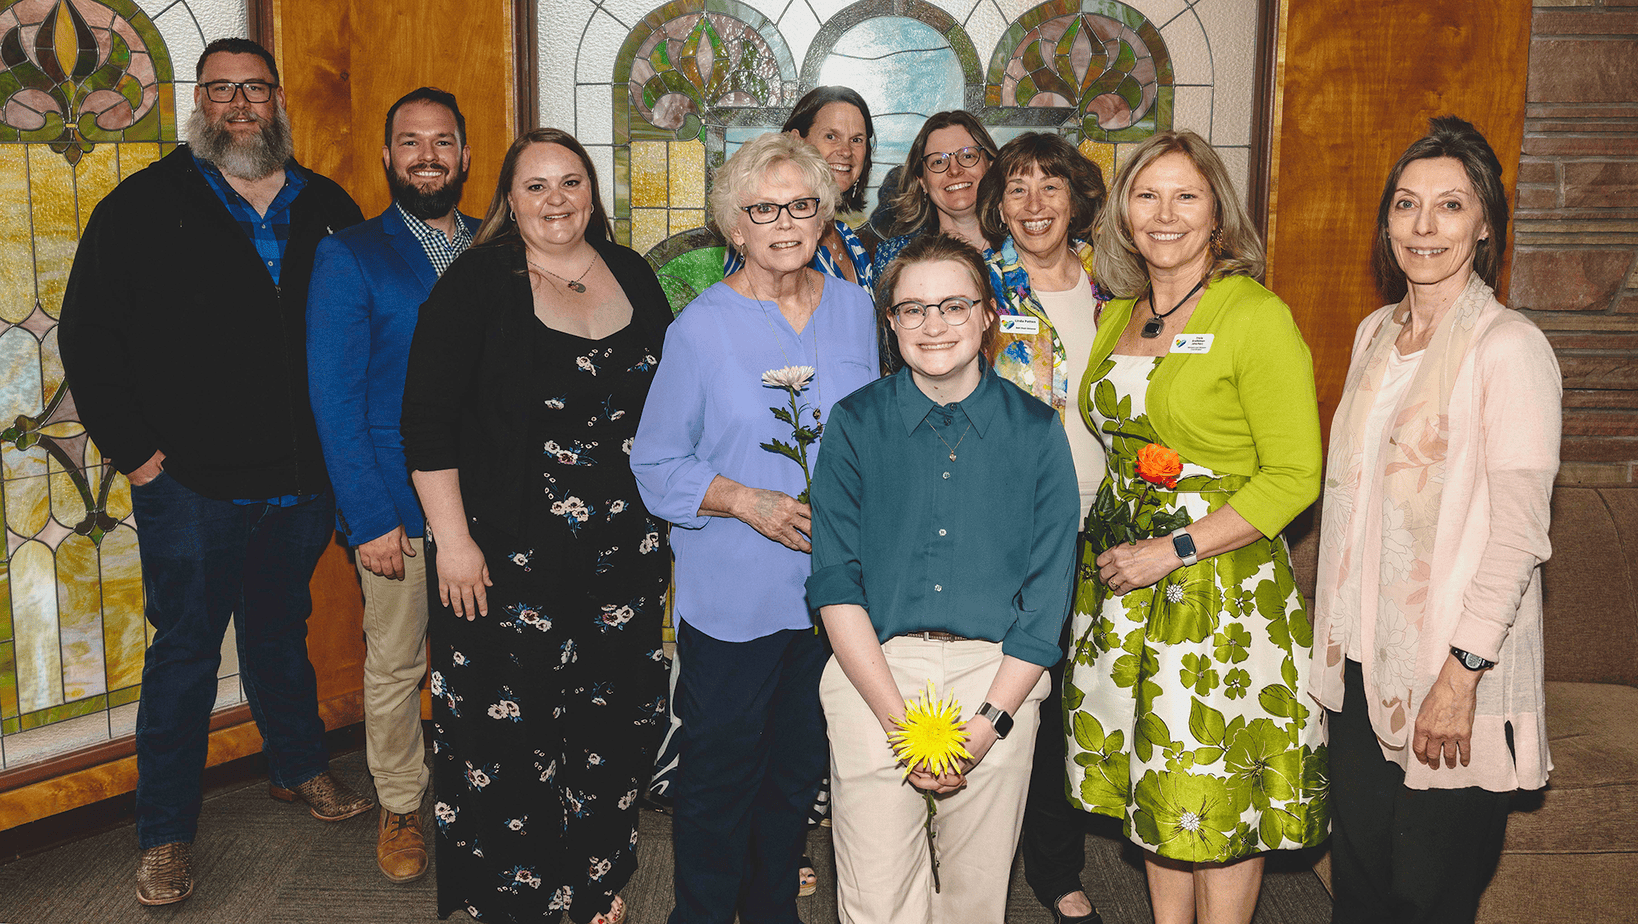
x=1182, y=701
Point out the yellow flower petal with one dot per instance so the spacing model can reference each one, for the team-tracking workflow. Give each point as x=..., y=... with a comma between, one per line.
x=930, y=734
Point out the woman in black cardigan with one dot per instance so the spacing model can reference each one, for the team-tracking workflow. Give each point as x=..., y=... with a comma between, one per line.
x=527, y=377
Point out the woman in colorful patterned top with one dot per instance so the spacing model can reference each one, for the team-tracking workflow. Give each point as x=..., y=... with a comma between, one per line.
x=836, y=121
x=1038, y=203
x=1186, y=715
x=1428, y=616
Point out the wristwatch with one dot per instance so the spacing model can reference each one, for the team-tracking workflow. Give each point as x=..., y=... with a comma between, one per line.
x=1183, y=545
x=998, y=717
x=1470, y=660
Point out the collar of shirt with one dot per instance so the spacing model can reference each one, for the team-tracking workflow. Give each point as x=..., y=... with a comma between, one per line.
x=268, y=232
x=440, y=248
x=980, y=407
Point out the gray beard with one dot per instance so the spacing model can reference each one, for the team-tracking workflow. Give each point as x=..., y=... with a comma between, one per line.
x=252, y=158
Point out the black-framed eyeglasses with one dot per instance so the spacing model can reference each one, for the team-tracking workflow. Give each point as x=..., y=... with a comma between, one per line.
x=955, y=310
x=763, y=213
x=223, y=91
x=939, y=161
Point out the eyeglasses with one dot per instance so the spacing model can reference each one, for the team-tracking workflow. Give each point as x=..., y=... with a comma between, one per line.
x=954, y=310
x=223, y=91
x=762, y=213
x=940, y=161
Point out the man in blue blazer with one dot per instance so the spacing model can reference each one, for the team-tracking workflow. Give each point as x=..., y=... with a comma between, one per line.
x=368, y=285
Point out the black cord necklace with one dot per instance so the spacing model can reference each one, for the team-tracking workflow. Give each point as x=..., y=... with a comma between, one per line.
x=1153, y=326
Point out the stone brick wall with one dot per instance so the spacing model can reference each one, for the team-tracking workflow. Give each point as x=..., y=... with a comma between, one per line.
x=1575, y=257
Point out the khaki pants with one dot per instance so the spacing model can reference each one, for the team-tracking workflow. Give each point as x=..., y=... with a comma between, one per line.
x=882, y=871
x=395, y=660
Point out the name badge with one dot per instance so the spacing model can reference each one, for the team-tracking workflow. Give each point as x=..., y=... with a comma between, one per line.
x=1022, y=325
x=1192, y=343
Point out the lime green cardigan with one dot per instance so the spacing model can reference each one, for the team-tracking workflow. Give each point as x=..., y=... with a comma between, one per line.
x=1246, y=407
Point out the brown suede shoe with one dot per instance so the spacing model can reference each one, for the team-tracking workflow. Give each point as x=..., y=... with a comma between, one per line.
x=165, y=873
x=328, y=798
x=400, y=847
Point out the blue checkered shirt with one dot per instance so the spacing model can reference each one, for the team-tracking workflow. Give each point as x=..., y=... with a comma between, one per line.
x=440, y=250
x=269, y=232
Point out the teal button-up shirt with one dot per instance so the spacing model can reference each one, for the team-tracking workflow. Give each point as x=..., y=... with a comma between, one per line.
x=982, y=546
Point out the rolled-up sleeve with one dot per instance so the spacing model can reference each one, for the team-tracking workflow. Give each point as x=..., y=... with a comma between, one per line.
x=1274, y=374
x=838, y=522
x=671, y=476
x=1042, y=602
x=1520, y=399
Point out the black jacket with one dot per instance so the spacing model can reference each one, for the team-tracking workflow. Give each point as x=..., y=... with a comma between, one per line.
x=175, y=338
x=468, y=393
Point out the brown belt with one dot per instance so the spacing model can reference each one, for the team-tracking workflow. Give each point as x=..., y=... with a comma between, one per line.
x=935, y=635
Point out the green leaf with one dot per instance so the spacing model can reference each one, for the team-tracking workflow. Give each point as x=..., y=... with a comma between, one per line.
x=1151, y=731
x=783, y=414
x=1205, y=723
x=1088, y=732
x=1204, y=756
x=1278, y=700
x=1103, y=398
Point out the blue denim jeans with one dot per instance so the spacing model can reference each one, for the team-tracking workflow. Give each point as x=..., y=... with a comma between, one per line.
x=203, y=561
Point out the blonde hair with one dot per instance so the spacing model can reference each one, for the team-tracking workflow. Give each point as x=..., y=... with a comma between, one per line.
x=1236, y=250
x=751, y=165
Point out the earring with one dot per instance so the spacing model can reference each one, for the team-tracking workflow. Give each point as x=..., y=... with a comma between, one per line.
x=1217, y=243
x=511, y=214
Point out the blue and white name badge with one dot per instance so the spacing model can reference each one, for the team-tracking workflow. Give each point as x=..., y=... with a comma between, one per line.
x=1192, y=343
x=1022, y=325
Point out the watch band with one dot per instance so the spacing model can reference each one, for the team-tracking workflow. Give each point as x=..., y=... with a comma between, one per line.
x=1183, y=545
x=1470, y=660
x=998, y=718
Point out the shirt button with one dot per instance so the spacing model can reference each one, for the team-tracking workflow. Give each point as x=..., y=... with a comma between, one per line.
x=946, y=476
x=938, y=586
x=270, y=263
x=941, y=532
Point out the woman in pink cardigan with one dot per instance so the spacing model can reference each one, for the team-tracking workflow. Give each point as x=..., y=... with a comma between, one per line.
x=1427, y=630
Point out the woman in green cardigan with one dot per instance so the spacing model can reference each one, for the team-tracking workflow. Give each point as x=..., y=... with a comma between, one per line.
x=1182, y=697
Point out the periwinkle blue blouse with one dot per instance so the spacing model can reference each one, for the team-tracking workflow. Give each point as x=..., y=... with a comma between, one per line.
x=982, y=546
x=708, y=413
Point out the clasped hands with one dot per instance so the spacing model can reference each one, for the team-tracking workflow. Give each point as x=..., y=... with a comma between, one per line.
x=1130, y=566
x=980, y=738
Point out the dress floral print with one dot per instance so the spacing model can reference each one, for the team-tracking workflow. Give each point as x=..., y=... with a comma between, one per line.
x=1182, y=703
x=547, y=710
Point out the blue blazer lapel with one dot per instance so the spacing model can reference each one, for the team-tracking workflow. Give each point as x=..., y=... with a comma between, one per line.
x=408, y=247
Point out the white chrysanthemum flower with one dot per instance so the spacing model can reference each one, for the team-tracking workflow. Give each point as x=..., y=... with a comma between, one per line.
x=794, y=378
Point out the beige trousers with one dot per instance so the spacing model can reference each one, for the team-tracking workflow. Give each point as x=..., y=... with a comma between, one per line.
x=395, y=660
x=882, y=870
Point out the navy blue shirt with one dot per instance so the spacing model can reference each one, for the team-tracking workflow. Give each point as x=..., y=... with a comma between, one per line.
x=982, y=546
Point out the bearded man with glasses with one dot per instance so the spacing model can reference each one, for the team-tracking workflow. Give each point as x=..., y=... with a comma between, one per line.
x=183, y=336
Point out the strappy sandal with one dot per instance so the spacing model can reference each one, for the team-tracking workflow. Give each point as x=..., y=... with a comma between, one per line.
x=807, y=880
x=615, y=915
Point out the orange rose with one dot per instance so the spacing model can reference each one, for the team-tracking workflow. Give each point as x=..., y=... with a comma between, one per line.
x=1158, y=465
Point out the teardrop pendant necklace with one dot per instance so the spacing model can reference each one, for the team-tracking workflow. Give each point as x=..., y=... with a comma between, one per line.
x=1157, y=323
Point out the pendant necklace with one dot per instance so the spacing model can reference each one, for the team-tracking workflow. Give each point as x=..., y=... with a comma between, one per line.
x=818, y=389
x=947, y=442
x=575, y=283
x=1153, y=326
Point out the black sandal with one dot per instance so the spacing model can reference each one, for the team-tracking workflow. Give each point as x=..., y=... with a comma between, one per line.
x=1060, y=918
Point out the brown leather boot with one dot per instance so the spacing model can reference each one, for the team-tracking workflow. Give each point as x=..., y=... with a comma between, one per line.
x=400, y=847
x=165, y=873
x=327, y=798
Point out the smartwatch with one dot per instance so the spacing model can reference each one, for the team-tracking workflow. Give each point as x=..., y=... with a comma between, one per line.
x=1470, y=660
x=998, y=718
x=1183, y=545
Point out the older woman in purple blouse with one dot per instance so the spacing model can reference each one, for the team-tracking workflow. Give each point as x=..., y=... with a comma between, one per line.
x=753, y=740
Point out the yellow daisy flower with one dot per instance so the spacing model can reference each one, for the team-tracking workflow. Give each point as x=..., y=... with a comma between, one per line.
x=930, y=734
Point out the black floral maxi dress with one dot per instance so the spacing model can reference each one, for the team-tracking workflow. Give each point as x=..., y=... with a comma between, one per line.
x=547, y=710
